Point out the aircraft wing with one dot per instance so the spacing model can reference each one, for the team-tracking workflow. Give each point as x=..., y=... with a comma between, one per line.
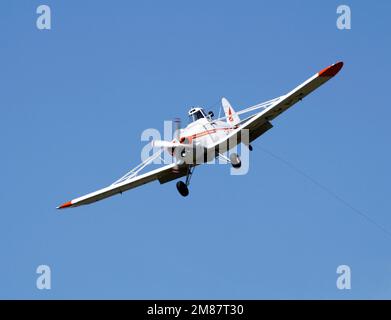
x=163, y=174
x=259, y=123
x=298, y=93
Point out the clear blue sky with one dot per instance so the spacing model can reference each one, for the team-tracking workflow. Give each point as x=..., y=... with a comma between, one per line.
x=74, y=101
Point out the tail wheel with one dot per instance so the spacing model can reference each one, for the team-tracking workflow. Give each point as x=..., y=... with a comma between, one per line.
x=182, y=188
x=235, y=160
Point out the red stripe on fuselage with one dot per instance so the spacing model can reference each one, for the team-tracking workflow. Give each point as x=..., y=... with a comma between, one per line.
x=204, y=133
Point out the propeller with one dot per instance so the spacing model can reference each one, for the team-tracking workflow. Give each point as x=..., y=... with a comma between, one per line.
x=177, y=128
x=173, y=144
x=169, y=144
x=176, y=137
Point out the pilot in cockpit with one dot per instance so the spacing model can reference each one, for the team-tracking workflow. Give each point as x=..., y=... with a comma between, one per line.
x=198, y=113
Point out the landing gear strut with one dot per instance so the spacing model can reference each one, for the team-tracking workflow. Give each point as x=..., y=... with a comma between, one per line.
x=181, y=186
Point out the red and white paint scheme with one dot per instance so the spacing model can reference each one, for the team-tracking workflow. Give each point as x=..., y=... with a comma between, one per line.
x=206, y=138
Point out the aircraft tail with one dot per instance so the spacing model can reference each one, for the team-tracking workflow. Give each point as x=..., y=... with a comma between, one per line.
x=232, y=118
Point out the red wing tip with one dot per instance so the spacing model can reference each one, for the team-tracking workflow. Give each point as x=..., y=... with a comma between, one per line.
x=65, y=205
x=332, y=70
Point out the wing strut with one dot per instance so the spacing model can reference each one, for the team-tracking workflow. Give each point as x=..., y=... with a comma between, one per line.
x=262, y=105
x=132, y=173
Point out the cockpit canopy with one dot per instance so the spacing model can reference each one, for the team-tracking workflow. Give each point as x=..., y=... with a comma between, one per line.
x=196, y=114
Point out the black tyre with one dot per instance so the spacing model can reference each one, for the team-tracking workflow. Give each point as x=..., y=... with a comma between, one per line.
x=235, y=160
x=182, y=188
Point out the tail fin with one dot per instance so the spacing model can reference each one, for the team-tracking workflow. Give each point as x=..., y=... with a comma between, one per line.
x=232, y=118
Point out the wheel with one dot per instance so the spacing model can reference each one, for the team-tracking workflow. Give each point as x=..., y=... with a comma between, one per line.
x=235, y=160
x=182, y=188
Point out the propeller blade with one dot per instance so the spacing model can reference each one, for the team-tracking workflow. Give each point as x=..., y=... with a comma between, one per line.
x=168, y=144
x=177, y=128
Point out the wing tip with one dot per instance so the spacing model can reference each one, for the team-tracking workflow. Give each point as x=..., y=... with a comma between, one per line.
x=65, y=205
x=332, y=70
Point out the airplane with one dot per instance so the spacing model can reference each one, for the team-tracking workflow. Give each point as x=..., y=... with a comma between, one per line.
x=205, y=139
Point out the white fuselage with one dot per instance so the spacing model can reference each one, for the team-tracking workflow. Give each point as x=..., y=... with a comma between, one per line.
x=202, y=134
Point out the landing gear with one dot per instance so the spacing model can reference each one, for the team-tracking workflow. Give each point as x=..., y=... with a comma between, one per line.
x=235, y=160
x=181, y=186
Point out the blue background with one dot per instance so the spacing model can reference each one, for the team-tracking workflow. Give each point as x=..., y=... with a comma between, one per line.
x=74, y=101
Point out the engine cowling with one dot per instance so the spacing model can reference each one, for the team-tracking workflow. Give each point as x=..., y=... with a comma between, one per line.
x=193, y=155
